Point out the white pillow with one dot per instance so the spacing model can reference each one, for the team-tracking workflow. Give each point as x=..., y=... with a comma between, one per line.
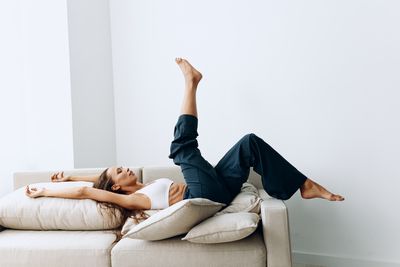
x=224, y=228
x=19, y=211
x=174, y=220
x=130, y=222
x=248, y=200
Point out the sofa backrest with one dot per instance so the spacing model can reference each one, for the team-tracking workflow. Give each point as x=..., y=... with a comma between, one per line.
x=23, y=178
x=151, y=173
x=144, y=174
x=174, y=173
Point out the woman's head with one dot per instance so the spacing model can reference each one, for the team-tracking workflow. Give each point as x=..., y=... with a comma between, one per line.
x=116, y=179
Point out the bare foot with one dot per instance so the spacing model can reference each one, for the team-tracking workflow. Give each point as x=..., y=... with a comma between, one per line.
x=311, y=189
x=192, y=76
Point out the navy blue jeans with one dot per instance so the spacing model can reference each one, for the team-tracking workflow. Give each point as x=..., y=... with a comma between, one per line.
x=223, y=182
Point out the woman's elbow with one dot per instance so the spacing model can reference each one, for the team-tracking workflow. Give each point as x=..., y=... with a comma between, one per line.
x=83, y=192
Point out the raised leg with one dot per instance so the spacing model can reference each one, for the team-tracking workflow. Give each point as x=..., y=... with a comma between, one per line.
x=192, y=79
x=280, y=178
x=199, y=174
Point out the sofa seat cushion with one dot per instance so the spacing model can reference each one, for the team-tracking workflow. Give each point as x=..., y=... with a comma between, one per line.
x=175, y=252
x=55, y=248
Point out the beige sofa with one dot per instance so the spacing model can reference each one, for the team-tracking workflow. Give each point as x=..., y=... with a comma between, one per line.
x=268, y=246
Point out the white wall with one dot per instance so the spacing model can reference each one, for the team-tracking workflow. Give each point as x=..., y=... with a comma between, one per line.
x=35, y=107
x=317, y=80
x=91, y=83
x=42, y=127
x=11, y=87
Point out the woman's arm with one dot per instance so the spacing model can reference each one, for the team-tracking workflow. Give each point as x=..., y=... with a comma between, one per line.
x=73, y=192
x=59, y=177
x=131, y=202
x=83, y=178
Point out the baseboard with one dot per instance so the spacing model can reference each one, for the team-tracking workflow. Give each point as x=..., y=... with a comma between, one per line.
x=302, y=259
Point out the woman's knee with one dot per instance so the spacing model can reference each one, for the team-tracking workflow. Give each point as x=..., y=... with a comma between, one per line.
x=250, y=140
x=250, y=137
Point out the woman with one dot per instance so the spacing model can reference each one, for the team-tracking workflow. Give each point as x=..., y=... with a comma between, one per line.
x=119, y=186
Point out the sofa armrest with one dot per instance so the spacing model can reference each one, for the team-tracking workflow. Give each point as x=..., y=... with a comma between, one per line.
x=275, y=225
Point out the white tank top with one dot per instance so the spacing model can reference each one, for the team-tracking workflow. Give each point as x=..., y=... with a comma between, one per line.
x=158, y=192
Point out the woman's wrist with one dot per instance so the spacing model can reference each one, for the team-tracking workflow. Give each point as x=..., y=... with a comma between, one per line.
x=45, y=192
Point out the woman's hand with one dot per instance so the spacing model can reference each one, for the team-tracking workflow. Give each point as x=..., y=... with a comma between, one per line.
x=59, y=177
x=34, y=192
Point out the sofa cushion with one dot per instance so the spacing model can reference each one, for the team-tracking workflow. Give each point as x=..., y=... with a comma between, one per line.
x=19, y=211
x=175, y=220
x=174, y=252
x=224, y=228
x=55, y=248
x=131, y=222
x=248, y=200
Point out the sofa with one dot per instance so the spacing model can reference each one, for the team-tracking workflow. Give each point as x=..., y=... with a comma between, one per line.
x=268, y=246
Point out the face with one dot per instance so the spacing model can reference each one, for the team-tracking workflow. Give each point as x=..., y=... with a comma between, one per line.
x=122, y=176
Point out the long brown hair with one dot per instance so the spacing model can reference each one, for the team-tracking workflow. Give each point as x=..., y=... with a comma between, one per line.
x=118, y=213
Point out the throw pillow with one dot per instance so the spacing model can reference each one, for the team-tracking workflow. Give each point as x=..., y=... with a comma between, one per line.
x=224, y=228
x=248, y=200
x=19, y=211
x=174, y=220
x=130, y=222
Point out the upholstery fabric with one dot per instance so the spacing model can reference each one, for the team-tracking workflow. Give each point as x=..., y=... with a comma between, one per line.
x=248, y=200
x=22, y=178
x=55, y=248
x=152, y=173
x=276, y=232
x=174, y=252
x=175, y=220
x=18, y=211
x=174, y=173
x=130, y=222
x=224, y=228
x=272, y=233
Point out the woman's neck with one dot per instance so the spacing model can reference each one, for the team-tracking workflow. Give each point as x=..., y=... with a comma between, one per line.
x=130, y=189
